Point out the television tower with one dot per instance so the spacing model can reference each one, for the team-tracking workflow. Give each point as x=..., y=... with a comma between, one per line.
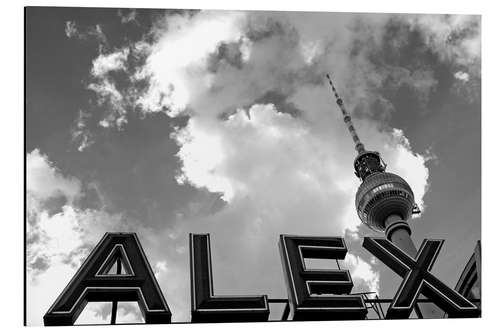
x=384, y=201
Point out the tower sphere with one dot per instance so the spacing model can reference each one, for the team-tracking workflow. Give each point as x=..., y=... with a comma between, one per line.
x=381, y=195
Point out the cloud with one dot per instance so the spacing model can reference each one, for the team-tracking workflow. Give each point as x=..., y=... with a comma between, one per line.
x=61, y=242
x=456, y=39
x=178, y=56
x=70, y=29
x=106, y=63
x=105, y=87
x=127, y=16
x=411, y=166
x=116, y=103
x=421, y=81
x=467, y=86
x=362, y=273
x=117, y=85
x=58, y=238
x=80, y=133
x=463, y=76
x=44, y=180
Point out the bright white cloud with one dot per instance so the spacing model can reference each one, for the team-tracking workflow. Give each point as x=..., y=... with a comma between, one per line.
x=462, y=76
x=106, y=63
x=409, y=165
x=177, y=58
x=44, y=181
x=61, y=242
x=362, y=273
x=57, y=243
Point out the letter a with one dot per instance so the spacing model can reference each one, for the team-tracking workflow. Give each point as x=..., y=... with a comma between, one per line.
x=93, y=283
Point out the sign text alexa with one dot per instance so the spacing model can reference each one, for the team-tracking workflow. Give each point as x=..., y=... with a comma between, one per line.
x=313, y=294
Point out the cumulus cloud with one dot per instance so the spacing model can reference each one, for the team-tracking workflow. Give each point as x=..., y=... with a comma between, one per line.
x=362, y=273
x=177, y=58
x=44, y=180
x=59, y=234
x=106, y=63
x=61, y=241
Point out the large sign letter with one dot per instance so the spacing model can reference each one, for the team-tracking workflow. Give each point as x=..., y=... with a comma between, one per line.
x=93, y=283
x=205, y=307
x=417, y=279
x=318, y=294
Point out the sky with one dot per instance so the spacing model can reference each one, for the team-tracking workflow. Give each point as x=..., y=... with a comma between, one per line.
x=170, y=122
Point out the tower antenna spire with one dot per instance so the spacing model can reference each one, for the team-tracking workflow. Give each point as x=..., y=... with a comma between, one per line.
x=360, y=148
x=367, y=162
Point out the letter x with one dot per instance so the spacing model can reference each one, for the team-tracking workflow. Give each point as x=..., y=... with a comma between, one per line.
x=417, y=279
